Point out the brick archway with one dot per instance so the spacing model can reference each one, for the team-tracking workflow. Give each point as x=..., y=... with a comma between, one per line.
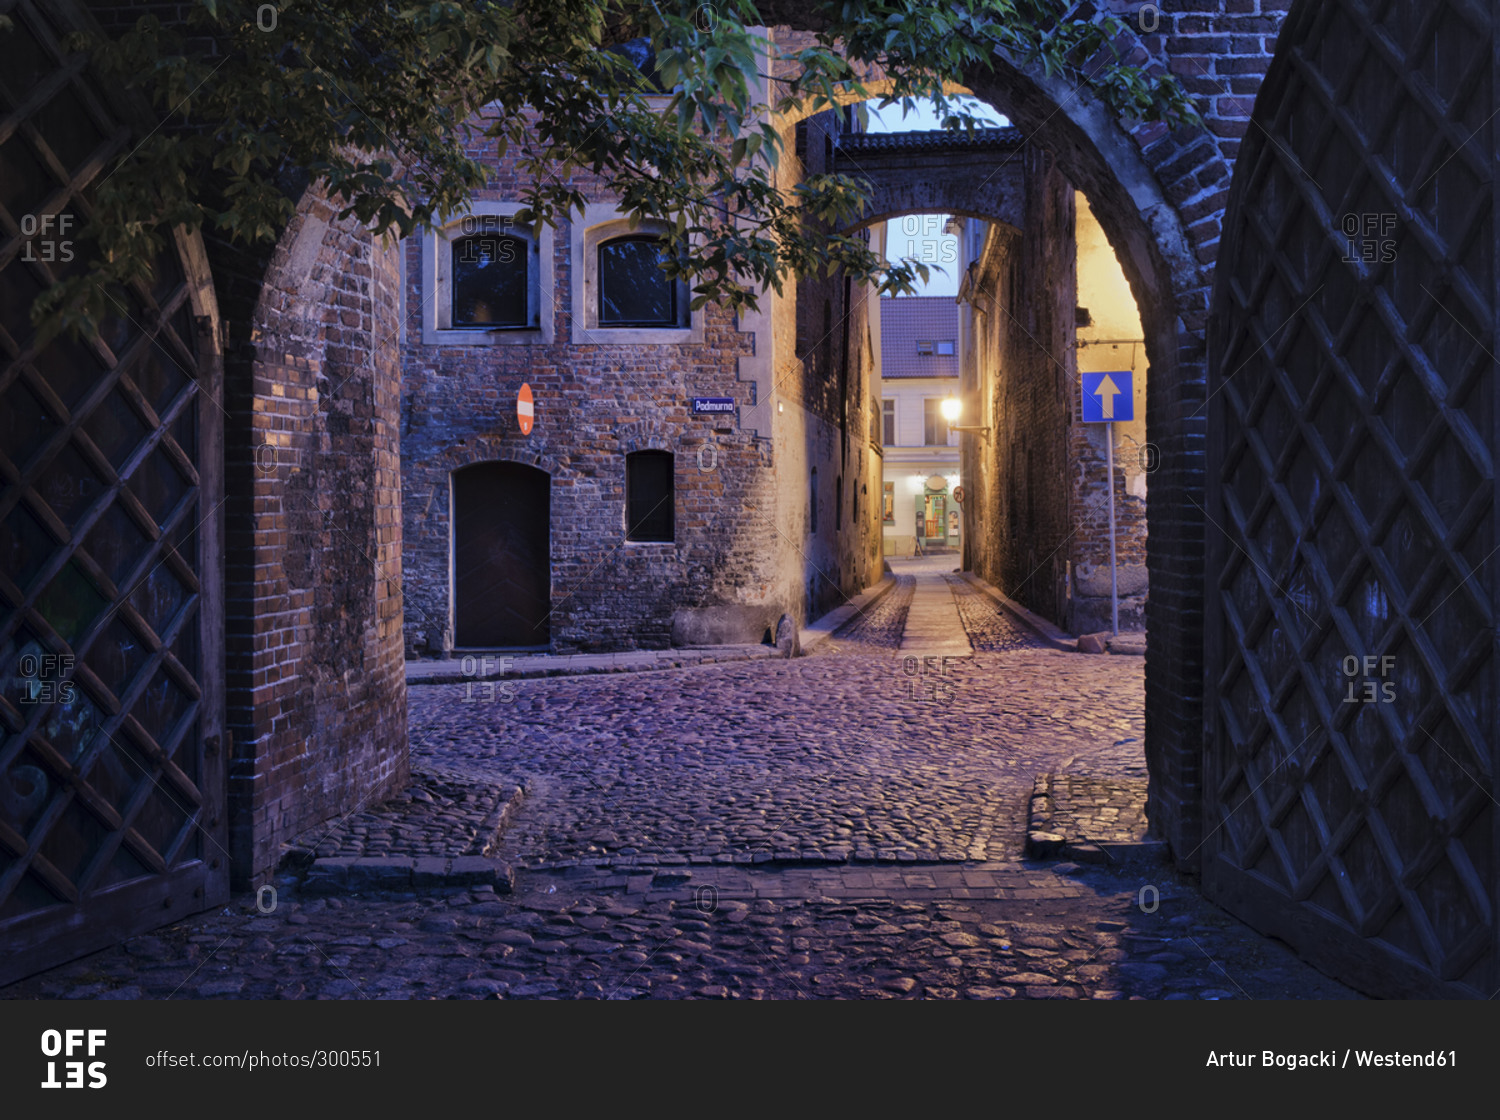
x=1159, y=196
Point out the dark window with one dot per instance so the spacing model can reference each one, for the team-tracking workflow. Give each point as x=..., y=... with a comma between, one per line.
x=838, y=502
x=639, y=54
x=813, y=501
x=489, y=281
x=888, y=422
x=649, y=497
x=633, y=289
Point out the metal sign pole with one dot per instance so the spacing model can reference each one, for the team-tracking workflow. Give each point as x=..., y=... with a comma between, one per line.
x=1114, y=589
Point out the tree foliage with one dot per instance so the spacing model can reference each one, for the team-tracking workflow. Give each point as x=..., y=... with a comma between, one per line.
x=393, y=105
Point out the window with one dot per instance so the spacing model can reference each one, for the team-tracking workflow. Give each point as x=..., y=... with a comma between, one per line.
x=619, y=293
x=888, y=500
x=945, y=347
x=888, y=423
x=935, y=431
x=639, y=54
x=483, y=277
x=490, y=281
x=924, y=347
x=649, y=497
x=633, y=289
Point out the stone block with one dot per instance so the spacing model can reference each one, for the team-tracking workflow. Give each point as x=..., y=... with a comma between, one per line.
x=379, y=874
x=723, y=625
x=1092, y=580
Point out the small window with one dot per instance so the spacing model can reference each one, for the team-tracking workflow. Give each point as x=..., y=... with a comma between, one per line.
x=935, y=431
x=649, y=497
x=490, y=281
x=888, y=423
x=633, y=289
x=888, y=510
x=945, y=347
x=924, y=347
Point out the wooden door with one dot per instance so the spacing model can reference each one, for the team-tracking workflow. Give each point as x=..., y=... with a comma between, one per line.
x=502, y=566
x=1349, y=765
x=112, y=769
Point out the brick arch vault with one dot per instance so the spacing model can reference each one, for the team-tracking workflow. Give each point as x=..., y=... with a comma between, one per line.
x=1159, y=195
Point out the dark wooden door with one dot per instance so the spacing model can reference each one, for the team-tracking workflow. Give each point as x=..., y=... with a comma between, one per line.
x=1350, y=722
x=502, y=565
x=112, y=771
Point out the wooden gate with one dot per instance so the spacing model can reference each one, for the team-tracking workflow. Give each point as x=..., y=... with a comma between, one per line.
x=1350, y=730
x=112, y=779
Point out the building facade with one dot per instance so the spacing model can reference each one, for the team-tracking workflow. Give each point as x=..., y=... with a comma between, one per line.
x=919, y=370
x=687, y=477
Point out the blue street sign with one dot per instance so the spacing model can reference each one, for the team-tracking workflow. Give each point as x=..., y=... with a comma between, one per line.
x=1108, y=396
x=712, y=404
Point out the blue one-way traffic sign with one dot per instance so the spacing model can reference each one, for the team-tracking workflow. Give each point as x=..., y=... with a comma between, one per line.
x=1108, y=396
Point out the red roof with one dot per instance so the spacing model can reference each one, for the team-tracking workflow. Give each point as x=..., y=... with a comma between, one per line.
x=907, y=320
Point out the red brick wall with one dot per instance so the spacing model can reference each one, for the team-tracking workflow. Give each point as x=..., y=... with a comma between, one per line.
x=1018, y=503
x=317, y=700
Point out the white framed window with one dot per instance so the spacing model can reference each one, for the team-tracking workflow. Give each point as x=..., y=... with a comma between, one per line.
x=487, y=280
x=888, y=422
x=619, y=294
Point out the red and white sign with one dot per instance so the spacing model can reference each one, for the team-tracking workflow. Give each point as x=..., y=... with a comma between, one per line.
x=525, y=409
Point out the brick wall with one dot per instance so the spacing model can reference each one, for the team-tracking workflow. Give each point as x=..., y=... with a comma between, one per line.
x=316, y=700
x=1018, y=501
x=744, y=552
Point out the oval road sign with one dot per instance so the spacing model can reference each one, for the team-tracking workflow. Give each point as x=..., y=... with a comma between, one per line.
x=525, y=409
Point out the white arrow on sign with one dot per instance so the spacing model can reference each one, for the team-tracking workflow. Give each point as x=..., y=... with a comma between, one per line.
x=1107, y=391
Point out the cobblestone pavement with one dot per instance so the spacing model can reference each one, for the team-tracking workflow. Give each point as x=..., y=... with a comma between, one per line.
x=1099, y=811
x=990, y=629
x=1080, y=934
x=850, y=823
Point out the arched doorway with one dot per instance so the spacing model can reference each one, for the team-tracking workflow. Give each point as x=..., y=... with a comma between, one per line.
x=502, y=572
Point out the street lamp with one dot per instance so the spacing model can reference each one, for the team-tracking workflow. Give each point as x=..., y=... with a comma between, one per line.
x=952, y=408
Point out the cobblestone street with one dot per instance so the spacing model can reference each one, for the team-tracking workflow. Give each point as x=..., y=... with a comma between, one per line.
x=849, y=823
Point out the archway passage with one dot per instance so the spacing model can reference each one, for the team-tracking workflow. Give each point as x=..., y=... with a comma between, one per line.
x=502, y=581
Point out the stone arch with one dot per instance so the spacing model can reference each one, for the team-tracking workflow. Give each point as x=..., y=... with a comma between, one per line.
x=1159, y=195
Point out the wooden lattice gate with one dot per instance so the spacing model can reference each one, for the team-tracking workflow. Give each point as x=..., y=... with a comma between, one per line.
x=1349, y=776
x=111, y=770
